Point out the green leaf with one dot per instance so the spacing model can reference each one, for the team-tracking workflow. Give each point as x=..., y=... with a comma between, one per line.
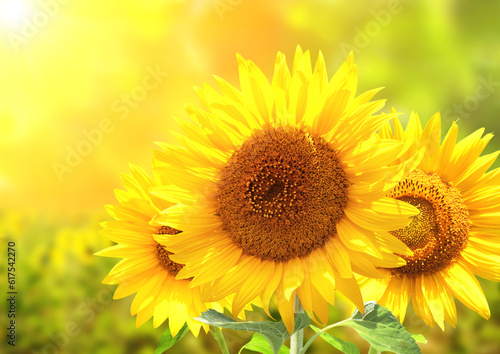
x=419, y=338
x=166, y=340
x=260, y=344
x=344, y=347
x=382, y=330
x=275, y=332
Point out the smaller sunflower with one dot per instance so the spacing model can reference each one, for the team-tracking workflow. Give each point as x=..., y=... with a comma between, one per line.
x=457, y=233
x=146, y=268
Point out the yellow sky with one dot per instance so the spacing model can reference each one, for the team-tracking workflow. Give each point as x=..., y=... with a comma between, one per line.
x=87, y=86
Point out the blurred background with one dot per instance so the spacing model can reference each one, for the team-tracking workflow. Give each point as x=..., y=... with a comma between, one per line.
x=88, y=86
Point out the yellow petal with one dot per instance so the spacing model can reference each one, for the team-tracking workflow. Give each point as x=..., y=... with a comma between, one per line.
x=304, y=292
x=419, y=301
x=320, y=306
x=322, y=275
x=148, y=292
x=178, y=310
x=224, y=260
x=144, y=315
x=338, y=257
x=487, y=220
x=485, y=198
x=350, y=289
x=397, y=296
x=271, y=287
x=431, y=293
x=466, y=288
x=356, y=238
x=254, y=284
x=431, y=141
x=293, y=275
x=381, y=215
x=450, y=310
x=477, y=170
x=446, y=150
x=285, y=307
x=373, y=289
x=482, y=262
x=374, y=154
x=230, y=282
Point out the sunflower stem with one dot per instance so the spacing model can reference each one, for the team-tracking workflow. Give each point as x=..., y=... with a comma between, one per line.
x=320, y=332
x=219, y=337
x=297, y=338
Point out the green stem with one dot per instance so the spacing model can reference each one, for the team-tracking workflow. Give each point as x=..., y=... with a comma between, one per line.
x=297, y=338
x=313, y=338
x=219, y=337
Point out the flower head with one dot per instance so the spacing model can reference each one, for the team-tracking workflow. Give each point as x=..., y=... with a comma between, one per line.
x=146, y=268
x=455, y=236
x=279, y=188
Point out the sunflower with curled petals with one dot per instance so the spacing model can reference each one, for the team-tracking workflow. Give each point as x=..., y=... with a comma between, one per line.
x=457, y=233
x=146, y=268
x=280, y=189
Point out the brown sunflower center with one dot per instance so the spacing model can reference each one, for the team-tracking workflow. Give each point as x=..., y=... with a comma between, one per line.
x=440, y=232
x=281, y=194
x=162, y=254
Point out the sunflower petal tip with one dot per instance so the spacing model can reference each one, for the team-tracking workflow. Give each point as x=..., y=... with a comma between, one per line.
x=241, y=61
x=350, y=57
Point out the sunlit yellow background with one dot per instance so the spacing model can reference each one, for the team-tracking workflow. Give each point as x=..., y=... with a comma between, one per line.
x=87, y=86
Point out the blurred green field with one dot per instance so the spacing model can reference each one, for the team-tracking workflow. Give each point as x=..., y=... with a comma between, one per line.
x=429, y=56
x=63, y=308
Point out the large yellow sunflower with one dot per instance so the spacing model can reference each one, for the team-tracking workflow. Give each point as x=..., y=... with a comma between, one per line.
x=457, y=233
x=280, y=189
x=146, y=268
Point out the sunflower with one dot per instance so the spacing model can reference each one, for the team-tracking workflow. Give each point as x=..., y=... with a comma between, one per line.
x=456, y=235
x=146, y=268
x=279, y=188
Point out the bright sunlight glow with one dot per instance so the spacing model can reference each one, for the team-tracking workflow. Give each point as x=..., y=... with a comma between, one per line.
x=12, y=12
